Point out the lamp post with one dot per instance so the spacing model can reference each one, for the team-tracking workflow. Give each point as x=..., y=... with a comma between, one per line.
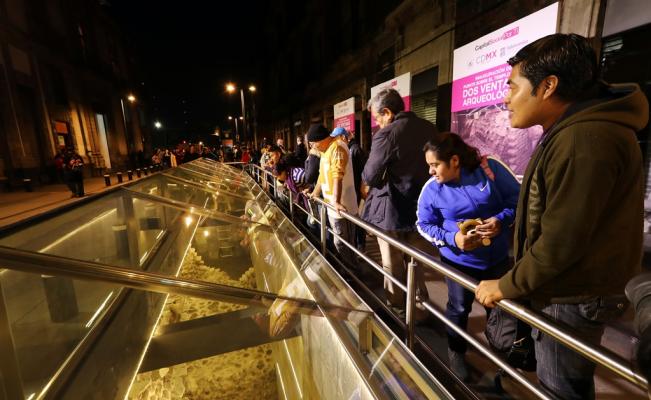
x=237, y=132
x=131, y=98
x=158, y=125
x=230, y=88
x=253, y=89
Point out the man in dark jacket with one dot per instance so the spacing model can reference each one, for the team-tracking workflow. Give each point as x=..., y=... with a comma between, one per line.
x=300, y=151
x=359, y=157
x=578, y=229
x=396, y=172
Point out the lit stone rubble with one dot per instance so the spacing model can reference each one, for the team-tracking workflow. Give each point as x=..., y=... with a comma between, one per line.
x=242, y=374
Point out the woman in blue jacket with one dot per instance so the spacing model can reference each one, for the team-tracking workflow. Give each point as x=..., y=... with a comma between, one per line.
x=466, y=186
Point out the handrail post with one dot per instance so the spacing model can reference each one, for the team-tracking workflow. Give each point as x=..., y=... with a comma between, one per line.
x=324, y=229
x=291, y=206
x=411, y=297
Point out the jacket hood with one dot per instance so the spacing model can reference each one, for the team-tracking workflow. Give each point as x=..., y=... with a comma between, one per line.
x=624, y=104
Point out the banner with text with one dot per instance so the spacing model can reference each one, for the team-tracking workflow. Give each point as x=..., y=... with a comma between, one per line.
x=402, y=84
x=345, y=114
x=480, y=73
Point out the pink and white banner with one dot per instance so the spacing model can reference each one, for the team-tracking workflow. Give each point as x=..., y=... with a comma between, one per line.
x=345, y=114
x=402, y=84
x=480, y=72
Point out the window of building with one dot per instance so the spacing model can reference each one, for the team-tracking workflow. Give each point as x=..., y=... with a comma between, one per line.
x=424, y=94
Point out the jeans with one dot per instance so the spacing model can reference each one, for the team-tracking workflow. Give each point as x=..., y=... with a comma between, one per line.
x=562, y=371
x=460, y=299
x=345, y=229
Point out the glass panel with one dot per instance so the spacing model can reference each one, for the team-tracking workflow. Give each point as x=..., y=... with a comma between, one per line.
x=193, y=195
x=48, y=316
x=158, y=346
x=225, y=184
x=116, y=230
x=184, y=230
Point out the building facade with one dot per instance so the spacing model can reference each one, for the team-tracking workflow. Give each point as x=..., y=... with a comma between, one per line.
x=65, y=77
x=375, y=42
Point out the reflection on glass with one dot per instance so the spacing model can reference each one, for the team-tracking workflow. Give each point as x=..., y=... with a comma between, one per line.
x=48, y=317
x=187, y=347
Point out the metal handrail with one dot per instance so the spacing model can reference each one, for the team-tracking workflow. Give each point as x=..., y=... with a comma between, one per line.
x=47, y=264
x=193, y=208
x=202, y=187
x=597, y=354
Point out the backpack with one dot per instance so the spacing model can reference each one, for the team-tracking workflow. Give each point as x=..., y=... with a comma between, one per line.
x=511, y=337
x=506, y=334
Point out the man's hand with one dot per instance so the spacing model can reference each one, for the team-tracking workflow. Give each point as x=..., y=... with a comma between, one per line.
x=363, y=190
x=488, y=293
x=490, y=228
x=307, y=192
x=339, y=207
x=468, y=242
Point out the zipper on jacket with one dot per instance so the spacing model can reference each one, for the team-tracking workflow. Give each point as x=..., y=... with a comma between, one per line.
x=472, y=201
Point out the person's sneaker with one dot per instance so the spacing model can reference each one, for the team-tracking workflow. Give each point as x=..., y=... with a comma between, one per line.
x=458, y=364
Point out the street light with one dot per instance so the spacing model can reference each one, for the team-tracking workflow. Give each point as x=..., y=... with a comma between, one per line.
x=158, y=125
x=237, y=132
x=230, y=88
x=131, y=98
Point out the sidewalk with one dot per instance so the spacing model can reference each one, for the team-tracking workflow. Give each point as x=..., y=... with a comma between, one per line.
x=18, y=205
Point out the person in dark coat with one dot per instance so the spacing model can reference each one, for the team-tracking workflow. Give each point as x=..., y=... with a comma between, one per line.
x=395, y=179
x=74, y=173
x=359, y=157
x=312, y=163
x=191, y=155
x=301, y=151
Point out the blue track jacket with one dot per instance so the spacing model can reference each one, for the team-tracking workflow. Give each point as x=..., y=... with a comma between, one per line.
x=441, y=206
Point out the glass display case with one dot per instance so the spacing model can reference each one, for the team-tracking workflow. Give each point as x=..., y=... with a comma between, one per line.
x=286, y=326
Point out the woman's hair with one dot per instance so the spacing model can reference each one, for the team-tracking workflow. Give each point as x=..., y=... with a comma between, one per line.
x=286, y=162
x=448, y=144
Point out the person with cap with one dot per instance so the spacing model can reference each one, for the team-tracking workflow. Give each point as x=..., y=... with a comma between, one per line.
x=335, y=184
x=358, y=157
x=340, y=133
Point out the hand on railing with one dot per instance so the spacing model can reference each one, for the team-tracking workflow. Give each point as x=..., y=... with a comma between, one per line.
x=339, y=208
x=488, y=293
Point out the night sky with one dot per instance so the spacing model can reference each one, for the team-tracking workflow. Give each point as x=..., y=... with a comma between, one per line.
x=187, y=51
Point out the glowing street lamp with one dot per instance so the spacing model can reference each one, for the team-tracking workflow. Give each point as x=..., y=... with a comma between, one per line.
x=231, y=88
x=158, y=125
x=230, y=118
x=131, y=98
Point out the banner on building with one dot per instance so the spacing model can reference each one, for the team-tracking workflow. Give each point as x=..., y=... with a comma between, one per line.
x=480, y=73
x=345, y=114
x=400, y=83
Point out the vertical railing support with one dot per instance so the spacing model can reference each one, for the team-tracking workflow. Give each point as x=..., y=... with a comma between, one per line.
x=410, y=306
x=324, y=228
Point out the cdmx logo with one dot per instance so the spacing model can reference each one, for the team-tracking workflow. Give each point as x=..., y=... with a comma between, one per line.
x=486, y=57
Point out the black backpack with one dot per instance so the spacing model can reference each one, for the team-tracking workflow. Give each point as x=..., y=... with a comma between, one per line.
x=511, y=337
